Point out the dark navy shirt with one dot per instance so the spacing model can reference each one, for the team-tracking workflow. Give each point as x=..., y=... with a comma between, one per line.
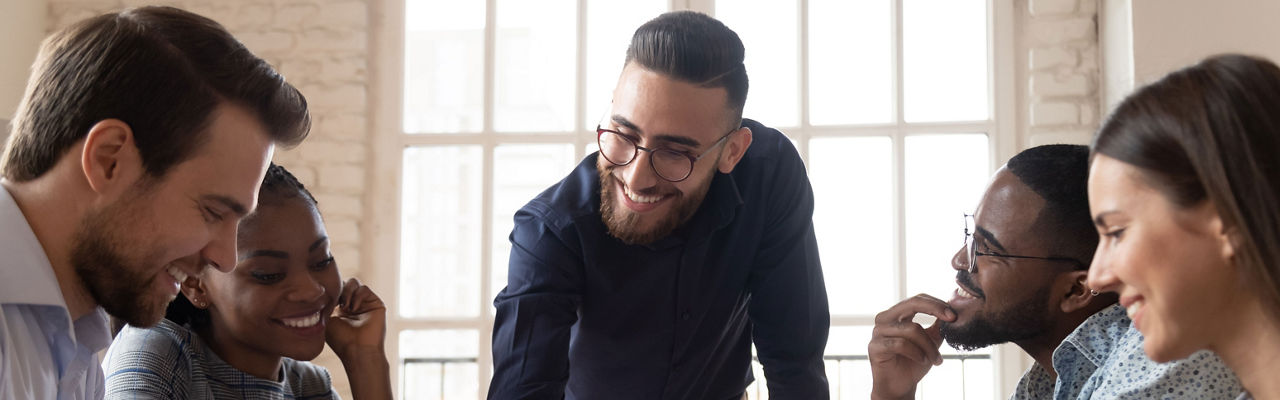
x=585, y=316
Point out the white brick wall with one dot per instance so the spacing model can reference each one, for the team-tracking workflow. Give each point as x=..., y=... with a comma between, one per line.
x=1060, y=98
x=321, y=46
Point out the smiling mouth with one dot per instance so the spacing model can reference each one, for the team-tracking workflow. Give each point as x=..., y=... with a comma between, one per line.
x=641, y=198
x=302, y=322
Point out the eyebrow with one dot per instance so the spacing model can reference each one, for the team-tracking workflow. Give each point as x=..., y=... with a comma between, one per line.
x=282, y=254
x=266, y=253
x=978, y=230
x=318, y=242
x=1098, y=220
x=669, y=138
x=230, y=203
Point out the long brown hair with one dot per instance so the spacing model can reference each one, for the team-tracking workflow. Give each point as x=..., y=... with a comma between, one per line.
x=1211, y=132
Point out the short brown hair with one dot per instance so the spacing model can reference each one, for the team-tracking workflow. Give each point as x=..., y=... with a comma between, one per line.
x=1211, y=132
x=162, y=71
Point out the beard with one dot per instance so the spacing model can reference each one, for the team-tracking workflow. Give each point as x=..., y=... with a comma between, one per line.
x=1024, y=320
x=626, y=225
x=117, y=282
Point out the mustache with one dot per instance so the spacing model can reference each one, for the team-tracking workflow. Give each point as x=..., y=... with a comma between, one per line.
x=963, y=278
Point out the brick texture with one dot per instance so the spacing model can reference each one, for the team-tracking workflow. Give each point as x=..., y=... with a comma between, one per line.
x=1060, y=99
x=321, y=46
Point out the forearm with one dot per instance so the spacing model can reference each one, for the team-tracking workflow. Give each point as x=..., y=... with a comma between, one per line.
x=369, y=373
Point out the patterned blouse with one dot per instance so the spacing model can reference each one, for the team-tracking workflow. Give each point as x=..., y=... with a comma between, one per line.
x=168, y=361
x=1103, y=359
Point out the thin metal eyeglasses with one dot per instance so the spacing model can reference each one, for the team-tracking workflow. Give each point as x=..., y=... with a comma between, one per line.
x=671, y=165
x=972, y=253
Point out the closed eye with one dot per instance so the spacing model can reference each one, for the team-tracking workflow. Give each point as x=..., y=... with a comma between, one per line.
x=212, y=216
x=267, y=278
x=323, y=264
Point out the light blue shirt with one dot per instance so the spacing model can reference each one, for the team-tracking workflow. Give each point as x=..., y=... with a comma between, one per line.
x=1103, y=359
x=43, y=354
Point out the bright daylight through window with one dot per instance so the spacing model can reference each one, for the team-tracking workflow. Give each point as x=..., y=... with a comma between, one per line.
x=888, y=102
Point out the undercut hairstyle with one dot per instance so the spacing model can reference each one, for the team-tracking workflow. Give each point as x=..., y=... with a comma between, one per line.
x=1059, y=173
x=692, y=47
x=1211, y=132
x=277, y=185
x=161, y=70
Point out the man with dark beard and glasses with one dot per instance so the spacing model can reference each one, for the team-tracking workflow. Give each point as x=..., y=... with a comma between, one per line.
x=652, y=268
x=139, y=144
x=1021, y=278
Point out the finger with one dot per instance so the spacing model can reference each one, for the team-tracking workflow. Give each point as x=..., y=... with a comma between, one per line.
x=888, y=348
x=921, y=303
x=916, y=335
x=365, y=300
x=348, y=288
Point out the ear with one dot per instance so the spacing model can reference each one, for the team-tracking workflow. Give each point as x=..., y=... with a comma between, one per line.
x=196, y=292
x=737, y=146
x=1078, y=294
x=110, y=160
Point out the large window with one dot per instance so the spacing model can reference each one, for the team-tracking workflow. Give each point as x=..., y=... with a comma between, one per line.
x=890, y=103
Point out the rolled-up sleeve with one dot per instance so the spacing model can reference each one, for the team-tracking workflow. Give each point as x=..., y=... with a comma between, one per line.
x=535, y=312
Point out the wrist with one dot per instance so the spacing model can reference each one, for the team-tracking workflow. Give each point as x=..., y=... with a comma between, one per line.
x=362, y=355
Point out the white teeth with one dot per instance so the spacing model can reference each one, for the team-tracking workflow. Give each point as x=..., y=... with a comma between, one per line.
x=304, y=322
x=177, y=274
x=965, y=293
x=642, y=199
x=1133, y=308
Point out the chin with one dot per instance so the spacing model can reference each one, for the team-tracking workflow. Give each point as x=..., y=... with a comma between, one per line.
x=304, y=351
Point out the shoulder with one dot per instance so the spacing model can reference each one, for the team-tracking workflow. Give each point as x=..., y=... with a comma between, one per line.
x=166, y=340
x=151, y=361
x=1128, y=372
x=576, y=195
x=768, y=143
x=307, y=380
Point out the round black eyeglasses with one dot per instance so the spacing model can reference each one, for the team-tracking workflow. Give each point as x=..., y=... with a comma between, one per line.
x=671, y=165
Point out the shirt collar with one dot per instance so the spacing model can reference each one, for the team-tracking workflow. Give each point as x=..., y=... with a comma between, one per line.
x=717, y=211
x=26, y=276
x=1096, y=337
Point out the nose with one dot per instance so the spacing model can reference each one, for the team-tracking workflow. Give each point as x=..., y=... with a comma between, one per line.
x=640, y=174
x=305, y=288
x=220, y=253
x=960, y=261
x=1101, y=277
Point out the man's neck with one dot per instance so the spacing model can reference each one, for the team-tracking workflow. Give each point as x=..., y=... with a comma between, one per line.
x=54, y=218
x=1041, y=350
x=1253, y=350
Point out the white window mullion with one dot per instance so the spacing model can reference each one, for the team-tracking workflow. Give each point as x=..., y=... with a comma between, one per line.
x=804, y=134
x=899, y=157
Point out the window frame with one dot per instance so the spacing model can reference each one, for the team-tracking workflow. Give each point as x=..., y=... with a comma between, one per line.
x=382, y=230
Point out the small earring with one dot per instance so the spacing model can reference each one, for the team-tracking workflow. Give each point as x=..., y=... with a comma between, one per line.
x=1093, y=292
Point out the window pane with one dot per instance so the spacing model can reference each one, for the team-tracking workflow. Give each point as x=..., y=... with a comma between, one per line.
x=946, y=175
x=440, y=232
x=610, y=24
x=972, y=379
x=521, y=171
x=440, y=364
x=853, y=218
x=850, y=379
x=443, y=66
x=945, y=60
x=850, y=62
x=536, y=65
x=768, y=29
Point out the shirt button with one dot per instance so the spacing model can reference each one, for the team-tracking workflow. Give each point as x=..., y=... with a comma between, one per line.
x=685, y=316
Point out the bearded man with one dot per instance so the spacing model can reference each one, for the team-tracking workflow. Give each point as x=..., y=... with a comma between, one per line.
x=1022, y=278
x=650, y=271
